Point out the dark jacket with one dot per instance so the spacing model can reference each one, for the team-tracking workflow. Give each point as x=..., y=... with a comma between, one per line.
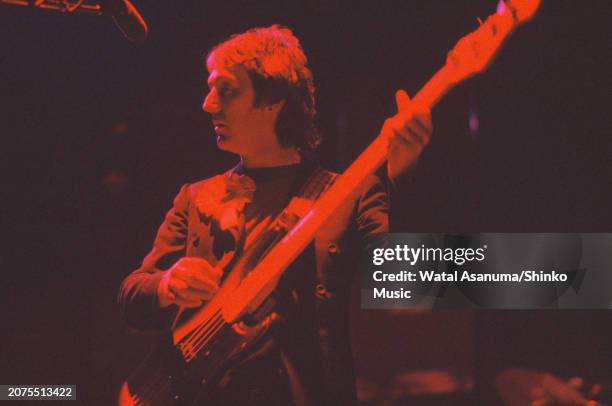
x=315, y=291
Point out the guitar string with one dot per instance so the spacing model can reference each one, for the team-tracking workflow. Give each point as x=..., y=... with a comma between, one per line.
x=193, y=349
x=193, y=334
x=206, y=333
x=199, y=346
x=205, y=339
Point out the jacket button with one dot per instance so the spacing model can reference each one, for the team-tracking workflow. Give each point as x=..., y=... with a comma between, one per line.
x=322, y=292
x=332, y=248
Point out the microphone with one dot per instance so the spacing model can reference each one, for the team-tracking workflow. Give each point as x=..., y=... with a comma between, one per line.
x=127, y=19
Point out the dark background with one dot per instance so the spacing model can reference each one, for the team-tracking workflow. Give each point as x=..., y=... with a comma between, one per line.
x=98, y=134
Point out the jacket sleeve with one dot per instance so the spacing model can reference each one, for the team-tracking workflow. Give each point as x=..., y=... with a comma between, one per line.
x=138, y=291
x=398, y=190
x=372, y=212
x=379, y=208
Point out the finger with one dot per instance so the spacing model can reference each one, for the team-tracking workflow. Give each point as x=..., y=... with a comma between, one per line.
x=202, y=282
x=419, y=134
x=184, y=277
x=409, y=134
x=200, y=278
x=194, y=295
x=188, y=303
x=418, y=127
x=402, y=100
x=204, y=267
x=176, y=285
x=423, y=121
x=406, y=141
x=197, y=279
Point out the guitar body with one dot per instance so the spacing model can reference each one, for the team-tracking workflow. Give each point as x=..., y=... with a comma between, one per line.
x=153, y=382
x=168, y=378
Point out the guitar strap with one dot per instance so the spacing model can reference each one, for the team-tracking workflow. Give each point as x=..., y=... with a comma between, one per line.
x=317, y=181
x=300, y=204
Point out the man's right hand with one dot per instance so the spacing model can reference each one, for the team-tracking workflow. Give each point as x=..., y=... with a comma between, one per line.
x=189, y=282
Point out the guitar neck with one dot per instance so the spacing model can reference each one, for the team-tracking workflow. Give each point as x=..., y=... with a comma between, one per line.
x=435, y=89
x=262, y=280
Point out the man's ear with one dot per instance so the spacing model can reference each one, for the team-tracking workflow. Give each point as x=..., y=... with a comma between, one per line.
x=276, y=107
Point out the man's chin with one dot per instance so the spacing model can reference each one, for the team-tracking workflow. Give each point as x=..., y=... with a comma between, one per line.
x=224, y=144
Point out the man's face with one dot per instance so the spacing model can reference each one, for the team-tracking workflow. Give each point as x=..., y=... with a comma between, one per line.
x=241, y=127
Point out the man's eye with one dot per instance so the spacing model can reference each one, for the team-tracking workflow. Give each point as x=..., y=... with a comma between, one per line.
x=225, y=91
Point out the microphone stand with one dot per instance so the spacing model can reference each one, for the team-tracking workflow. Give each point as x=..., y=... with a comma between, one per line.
x=61, y=6
x=123, y=13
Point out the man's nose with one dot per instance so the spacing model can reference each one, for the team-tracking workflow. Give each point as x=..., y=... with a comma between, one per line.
x=211, y=103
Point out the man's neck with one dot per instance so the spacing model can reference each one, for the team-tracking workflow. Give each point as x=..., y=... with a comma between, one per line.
x=272, y=158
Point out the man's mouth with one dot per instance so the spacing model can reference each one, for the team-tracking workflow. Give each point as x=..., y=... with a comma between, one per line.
x=219, y=127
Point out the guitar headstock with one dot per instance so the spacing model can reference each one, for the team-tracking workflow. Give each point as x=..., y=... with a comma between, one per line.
x=474, y=52
x=522, y=10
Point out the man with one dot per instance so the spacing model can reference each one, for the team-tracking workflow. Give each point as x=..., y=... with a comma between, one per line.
x=262, y=105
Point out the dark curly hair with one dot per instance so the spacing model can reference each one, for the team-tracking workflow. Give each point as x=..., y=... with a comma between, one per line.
x=278, y=68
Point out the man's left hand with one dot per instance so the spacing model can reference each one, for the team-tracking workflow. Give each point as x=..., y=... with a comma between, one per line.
x=408, y=133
